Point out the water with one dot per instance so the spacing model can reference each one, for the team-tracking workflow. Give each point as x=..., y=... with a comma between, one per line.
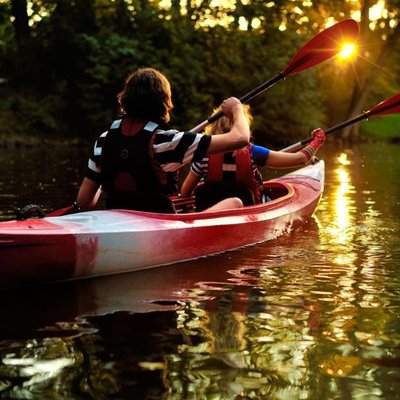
x=312, y=315
x=48, y=176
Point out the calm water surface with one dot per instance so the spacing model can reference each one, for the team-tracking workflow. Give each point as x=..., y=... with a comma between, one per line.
x=312, y=315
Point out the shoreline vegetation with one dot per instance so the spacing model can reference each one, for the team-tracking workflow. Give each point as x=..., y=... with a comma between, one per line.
x=63, y=63
x=381, y=130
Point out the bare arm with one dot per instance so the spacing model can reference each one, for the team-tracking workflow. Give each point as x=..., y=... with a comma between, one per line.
x=88, y=194
x=189, y=184
x=238, y=136
x=279, y=159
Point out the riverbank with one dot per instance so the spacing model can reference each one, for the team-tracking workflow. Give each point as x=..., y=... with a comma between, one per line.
x=382, y=130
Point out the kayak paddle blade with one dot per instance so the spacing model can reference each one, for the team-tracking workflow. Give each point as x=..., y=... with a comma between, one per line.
x=323, y=46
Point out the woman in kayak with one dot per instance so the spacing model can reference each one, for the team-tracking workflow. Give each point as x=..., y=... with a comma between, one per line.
x=136, y=161
x=237, y=173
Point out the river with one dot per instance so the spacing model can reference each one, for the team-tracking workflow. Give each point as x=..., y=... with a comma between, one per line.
x=311, y=315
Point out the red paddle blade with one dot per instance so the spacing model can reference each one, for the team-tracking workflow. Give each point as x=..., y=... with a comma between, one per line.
x=323, y=46
x=389, y=106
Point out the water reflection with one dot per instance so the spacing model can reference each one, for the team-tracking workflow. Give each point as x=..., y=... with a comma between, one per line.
x=36, y=175
x=312, y=315
x=341, y=228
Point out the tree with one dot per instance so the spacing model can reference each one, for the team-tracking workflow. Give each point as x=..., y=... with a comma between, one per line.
x=80, y=52
x=377, y=40
x=21, y=21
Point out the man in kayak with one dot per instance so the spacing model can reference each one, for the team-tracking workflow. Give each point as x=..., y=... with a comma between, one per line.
x=136, y=161
x=236, y=174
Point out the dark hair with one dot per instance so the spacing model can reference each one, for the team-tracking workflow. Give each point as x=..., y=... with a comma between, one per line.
x=146, y=95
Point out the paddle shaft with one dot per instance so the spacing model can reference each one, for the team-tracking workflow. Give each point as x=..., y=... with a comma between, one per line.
x=244, y=99
x=298, y=145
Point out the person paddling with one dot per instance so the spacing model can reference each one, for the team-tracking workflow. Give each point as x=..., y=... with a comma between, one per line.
x=135, y=162
x=237, y=174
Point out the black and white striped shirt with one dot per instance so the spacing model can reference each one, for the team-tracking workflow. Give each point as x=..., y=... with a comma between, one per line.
x=172, y=150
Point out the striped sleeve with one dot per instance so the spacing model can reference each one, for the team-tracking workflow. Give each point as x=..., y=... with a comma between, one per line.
x=200, y=168
x=93, y=171
x=173, y=149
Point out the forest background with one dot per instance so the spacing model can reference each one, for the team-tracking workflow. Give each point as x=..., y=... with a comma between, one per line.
x=62, y=63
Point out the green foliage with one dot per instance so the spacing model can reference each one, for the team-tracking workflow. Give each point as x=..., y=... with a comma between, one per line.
x=34, y=112
x=7, y=42
x=385, y=127
x=65, y=81
x=288, y=111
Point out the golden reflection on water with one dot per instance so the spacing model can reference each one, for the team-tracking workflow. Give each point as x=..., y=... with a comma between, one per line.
x=342, y=229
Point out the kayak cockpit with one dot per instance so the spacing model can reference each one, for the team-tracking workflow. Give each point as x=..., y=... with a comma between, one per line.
x=275, y=190
x=272, y=191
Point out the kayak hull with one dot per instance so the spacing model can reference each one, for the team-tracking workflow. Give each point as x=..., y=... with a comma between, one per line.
x=112, y=241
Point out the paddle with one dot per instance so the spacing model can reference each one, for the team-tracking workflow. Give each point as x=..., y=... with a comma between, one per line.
x=36, y=211
x=321, y=47
x=388, y=106
x=62, y=211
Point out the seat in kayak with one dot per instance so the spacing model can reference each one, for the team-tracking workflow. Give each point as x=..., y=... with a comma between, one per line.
x=210, y=193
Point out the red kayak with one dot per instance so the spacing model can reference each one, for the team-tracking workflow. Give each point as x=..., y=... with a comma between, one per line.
x=105, y=242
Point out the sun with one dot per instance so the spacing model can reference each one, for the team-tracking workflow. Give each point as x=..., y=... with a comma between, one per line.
x=348, y=51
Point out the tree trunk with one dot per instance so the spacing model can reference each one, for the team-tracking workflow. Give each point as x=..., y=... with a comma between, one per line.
x=21, y=22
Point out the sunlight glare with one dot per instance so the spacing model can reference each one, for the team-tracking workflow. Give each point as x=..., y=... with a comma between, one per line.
x=376, y=11
x=341, y=229
x=342, y=203
x=343, y=160
x=348, y=50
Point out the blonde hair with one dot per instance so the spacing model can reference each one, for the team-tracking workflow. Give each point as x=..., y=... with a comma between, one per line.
x=223, y=124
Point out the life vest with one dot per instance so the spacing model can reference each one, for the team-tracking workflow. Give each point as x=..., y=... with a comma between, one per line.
x=235, y=167
x=128, y=163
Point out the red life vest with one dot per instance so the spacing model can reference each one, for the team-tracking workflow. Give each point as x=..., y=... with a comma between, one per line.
x=235, y=167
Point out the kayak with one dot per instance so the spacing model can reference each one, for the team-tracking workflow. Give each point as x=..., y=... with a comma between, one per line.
x=103, y=242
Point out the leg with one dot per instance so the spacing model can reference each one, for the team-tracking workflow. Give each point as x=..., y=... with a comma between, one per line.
x=231, y=202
